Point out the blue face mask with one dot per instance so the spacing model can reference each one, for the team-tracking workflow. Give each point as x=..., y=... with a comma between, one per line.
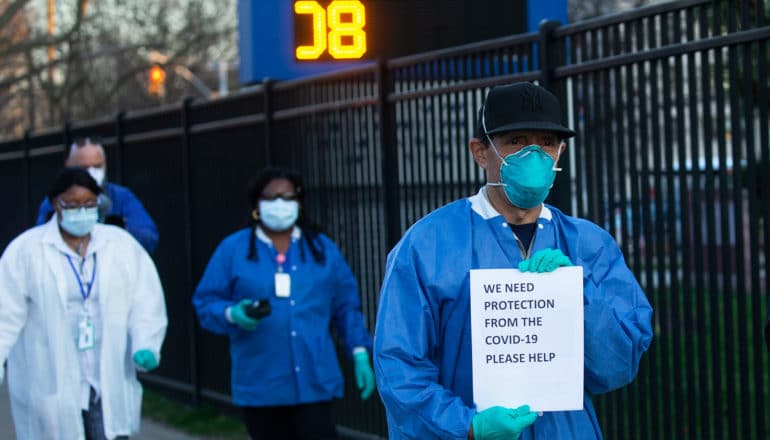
x=79, y=221
x=279, y=214
x=527, y=176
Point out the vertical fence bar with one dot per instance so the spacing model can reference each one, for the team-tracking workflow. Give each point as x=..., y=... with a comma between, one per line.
x=187, y=224
x=267, y=90
x=119, y=146
x=699, y=352
x=724, y=355
x=738, y=291
x=763, y=97
x=66, y=138
x=681, y=260
x=388, y=144
x=29, y=216
x=551, y=55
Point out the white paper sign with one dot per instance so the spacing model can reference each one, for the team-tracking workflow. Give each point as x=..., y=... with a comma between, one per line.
x=527, y=333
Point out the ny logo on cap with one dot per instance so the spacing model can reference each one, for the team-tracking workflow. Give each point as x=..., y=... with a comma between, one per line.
x=531, y=101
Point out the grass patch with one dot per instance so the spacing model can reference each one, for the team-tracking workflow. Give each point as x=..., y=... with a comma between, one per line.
x=204, y=420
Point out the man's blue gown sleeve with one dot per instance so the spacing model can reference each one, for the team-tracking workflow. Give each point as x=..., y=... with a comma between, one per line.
x=406, y=347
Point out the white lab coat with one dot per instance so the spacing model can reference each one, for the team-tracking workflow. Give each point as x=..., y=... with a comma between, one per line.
x=43, y=369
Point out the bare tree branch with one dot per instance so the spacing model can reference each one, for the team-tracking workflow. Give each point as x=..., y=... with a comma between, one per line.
x=48, y=40
x=11, y=12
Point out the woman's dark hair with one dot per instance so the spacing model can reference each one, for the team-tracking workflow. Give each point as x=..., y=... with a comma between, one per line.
x=69, y=177
x=310, y=231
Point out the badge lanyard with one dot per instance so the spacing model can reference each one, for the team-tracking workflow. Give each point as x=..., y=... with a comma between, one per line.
x=85, y=327
x=282, y=279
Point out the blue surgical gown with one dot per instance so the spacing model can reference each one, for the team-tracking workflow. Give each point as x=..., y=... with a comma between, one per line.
x=126, y=205
x=422, y=343
x=290, y=358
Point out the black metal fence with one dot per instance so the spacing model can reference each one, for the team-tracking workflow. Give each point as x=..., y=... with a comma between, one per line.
x=670, y=103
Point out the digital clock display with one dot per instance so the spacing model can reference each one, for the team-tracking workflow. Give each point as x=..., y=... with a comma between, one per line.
x=283, y=39
x=335, y=31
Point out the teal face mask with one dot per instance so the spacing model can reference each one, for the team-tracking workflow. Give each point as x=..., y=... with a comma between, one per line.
x=79, y=221
x=527, y=176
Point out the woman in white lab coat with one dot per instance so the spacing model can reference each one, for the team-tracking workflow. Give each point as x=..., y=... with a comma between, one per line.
x=81, y=310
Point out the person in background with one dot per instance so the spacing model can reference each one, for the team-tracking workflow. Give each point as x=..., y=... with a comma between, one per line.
x=285, y=372
x=81, y=311
x=117, y=204
x=422, y=343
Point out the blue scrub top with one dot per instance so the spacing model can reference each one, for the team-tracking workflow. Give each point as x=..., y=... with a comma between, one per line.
x=125, y=205
x=290, y=358
x=422, y=344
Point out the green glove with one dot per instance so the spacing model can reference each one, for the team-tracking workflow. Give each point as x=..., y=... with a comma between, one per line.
x=364, y=373
x=498, y=423
x=145, y=360
x=545, y=260
x=239, y=316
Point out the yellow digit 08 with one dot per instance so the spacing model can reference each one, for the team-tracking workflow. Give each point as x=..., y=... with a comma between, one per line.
x=355, y=46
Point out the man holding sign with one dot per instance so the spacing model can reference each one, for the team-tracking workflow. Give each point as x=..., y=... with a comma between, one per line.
x=472, y=291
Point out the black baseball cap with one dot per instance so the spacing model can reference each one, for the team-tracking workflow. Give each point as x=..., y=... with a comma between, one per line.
x=521, y=106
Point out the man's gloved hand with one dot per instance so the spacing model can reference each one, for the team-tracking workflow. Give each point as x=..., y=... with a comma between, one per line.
x=545, y=260
x=364, y=373
x=502, y=423
x=145, y=360
x=239, y=316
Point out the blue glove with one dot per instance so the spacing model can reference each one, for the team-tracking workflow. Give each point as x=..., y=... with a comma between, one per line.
x=239, y=316
x=545, y=260
x=364, y=373
x=498, y=423
x=146, y=360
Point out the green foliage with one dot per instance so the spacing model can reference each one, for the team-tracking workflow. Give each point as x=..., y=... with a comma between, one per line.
x=204, y=420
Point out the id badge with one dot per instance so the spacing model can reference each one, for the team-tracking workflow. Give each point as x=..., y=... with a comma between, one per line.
x=85, y=335
x=282, y=285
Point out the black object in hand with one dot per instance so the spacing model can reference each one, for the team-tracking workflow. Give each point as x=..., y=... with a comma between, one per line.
x=258, y=309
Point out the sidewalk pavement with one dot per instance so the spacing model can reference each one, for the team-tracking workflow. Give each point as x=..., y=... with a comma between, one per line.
x=149, y=430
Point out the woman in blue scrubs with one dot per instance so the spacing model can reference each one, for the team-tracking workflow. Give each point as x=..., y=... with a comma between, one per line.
x=285, y=373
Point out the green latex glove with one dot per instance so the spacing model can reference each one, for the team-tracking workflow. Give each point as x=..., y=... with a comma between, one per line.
x=364, y=374
x=239, y=316
x=145, y=360
x=498, y=423
x=545, y=260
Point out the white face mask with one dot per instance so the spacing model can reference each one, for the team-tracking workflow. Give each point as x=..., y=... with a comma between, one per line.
x=278, y=214
x=98, y=174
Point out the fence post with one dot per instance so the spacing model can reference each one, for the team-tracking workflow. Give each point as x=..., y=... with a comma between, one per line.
x=387, y=125
x=267, y=90
x=67, y=138
x=552, y=55
x=119, y=147
x=187, y=223
x=29, y=215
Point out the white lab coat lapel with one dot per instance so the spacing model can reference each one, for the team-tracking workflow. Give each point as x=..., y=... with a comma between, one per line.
x=53, y=258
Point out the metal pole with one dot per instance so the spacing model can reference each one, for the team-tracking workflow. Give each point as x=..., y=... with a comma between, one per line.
x=119, y=147
x=28, y=204
x=551, y=55
x=389, y=148
x=67, y=137
x=267, y=90
x=188, y=231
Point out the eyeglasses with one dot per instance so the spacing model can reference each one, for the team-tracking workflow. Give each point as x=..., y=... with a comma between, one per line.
x=87, y=205
x=284, y=196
